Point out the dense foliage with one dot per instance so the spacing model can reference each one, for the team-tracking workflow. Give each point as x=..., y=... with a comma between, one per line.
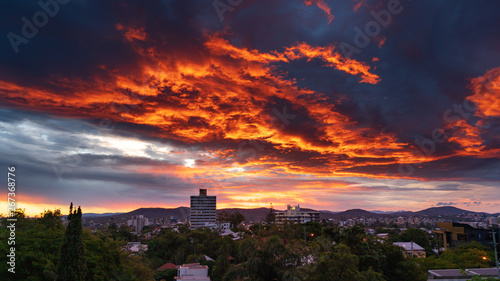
x=234, y=219
x=308, y=251
x=38, y=249
x=473, y=255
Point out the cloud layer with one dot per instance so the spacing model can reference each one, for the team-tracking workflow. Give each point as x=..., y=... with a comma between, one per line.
x=151, y=101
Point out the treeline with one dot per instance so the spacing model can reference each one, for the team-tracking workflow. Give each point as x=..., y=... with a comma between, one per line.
x=38, y=252
x=310, y=251
x=287, y=252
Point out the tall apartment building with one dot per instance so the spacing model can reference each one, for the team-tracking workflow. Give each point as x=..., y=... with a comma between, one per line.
x=203, y=210
x=138, y=222
x=295, y=215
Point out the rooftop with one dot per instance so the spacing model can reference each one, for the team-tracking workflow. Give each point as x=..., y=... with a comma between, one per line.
x=167, y=266
x=455, y=273
x=193, y=266
x=408, y=246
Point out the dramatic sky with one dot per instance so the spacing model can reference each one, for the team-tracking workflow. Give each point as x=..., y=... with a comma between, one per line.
x=380, y=105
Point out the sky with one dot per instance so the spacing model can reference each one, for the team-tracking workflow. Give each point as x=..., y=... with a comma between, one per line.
x=333, y=105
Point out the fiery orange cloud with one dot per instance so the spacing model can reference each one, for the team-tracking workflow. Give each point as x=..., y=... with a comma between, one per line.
x=220, y=46
x=486, y=98
x=323, y=6
x=334, y=59
x=487, y=93
x=468, y=136
x=380, y=41
x=131, y=33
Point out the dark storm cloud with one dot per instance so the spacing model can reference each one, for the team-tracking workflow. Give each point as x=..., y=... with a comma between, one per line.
x=425, y=64
x=460, y=168
x=408, y=189
x=75, y=42
x=438, y=61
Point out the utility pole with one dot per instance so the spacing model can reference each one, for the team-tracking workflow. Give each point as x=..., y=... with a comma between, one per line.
x=411, y=245
x=496, y=251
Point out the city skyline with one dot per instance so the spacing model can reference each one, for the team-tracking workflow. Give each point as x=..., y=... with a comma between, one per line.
x=376, y=105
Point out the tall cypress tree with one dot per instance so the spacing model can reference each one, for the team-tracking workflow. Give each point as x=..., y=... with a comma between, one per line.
x=72, y=253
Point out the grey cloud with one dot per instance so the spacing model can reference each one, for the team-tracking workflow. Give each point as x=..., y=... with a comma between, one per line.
x=445, y=204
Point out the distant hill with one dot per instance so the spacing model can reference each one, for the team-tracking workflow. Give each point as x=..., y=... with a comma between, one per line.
x=402, y=214
x=182, y=213
x=434, y=211
x=86, y=215
x=259, y=214
x=328, y=212
x=439, y=211
x=447, y=210
x=386, y=212
x=353, y=213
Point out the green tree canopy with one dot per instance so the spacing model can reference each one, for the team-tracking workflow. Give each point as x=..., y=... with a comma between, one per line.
x=72, y=264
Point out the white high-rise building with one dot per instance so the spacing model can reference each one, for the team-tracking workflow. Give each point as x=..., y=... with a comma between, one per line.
x=295, y=215
x=203, y=210
x=138, y=222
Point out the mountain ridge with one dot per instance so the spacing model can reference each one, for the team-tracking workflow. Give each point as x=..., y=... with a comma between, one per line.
x=253, y=214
